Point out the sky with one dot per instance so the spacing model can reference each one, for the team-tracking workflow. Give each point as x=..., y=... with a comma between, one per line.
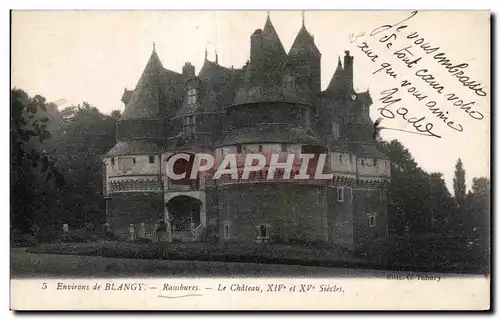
x=75, y=56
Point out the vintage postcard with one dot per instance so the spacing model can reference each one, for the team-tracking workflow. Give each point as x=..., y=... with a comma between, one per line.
x=250, y=160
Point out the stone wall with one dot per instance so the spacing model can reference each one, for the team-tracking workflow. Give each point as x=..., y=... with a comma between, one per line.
x=340, y=218
x=291, y=213
x=370, y=239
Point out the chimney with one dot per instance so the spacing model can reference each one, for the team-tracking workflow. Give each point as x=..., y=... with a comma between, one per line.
x=348, y=70
x=188, y=70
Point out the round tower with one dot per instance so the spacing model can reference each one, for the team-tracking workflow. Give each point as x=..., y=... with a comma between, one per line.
x=271, y=114
x=134, y=191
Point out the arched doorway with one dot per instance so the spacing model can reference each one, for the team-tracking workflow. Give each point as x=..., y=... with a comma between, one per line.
x=184, y=212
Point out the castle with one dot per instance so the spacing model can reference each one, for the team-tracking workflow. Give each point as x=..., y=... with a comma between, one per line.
x=272, y=104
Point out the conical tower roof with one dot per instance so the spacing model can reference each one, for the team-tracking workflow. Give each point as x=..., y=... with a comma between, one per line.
x=304, y=44
x=144, y=101
x=271, y=41
x=336, y=82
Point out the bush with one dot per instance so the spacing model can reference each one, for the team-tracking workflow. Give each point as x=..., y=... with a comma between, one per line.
x=23, y=240
x=79, y=235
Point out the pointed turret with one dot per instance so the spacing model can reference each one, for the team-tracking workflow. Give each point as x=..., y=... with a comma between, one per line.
x=144, y=101
x=304, y=58
x=336, y=83
x=271, y=41
x=264, y=72
x=304, y=45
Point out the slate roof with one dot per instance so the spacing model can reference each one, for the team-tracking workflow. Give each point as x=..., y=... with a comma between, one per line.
x=336, y=83
x=304, y=44
x=215, y=89
x=367, y=151
x=270, y=133
x=130, y=147
x=145, y=100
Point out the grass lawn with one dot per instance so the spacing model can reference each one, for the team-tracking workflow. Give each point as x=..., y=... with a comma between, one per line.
x=233, y=252
x=237, y=252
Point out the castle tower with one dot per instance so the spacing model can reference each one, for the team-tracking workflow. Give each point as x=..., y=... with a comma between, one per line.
x=304, y=58
x=133, y=170
x=363, y=170
x=197, y=121
x=271, y=113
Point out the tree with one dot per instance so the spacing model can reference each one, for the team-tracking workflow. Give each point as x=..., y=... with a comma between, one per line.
x=84, y=136
x=459, y=183
x=32, y=168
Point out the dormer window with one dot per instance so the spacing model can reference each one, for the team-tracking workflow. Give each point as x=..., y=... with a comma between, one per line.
x=192, y=96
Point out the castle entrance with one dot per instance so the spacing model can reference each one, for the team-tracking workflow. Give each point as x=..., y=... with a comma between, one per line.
x=184, y=214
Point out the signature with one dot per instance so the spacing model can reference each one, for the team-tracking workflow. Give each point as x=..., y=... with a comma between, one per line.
x=388, y=99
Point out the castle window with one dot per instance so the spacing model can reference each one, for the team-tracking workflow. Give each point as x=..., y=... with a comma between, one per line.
x=151, y=159
x=112, y=161
x=189, y=123
x=340, y=157
x=133, y=160
x=340, y=194
x=372, y=220
x=262, y=231
x=192, y=96
x=238, y=148
x=322, y=196
x=351, y=195
x=366, y=111
x=220, y=199
x=374, y=162
x=362, y=162
x=260, y=148
x=284, y=147
x=335, y=129
x=226, y=231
